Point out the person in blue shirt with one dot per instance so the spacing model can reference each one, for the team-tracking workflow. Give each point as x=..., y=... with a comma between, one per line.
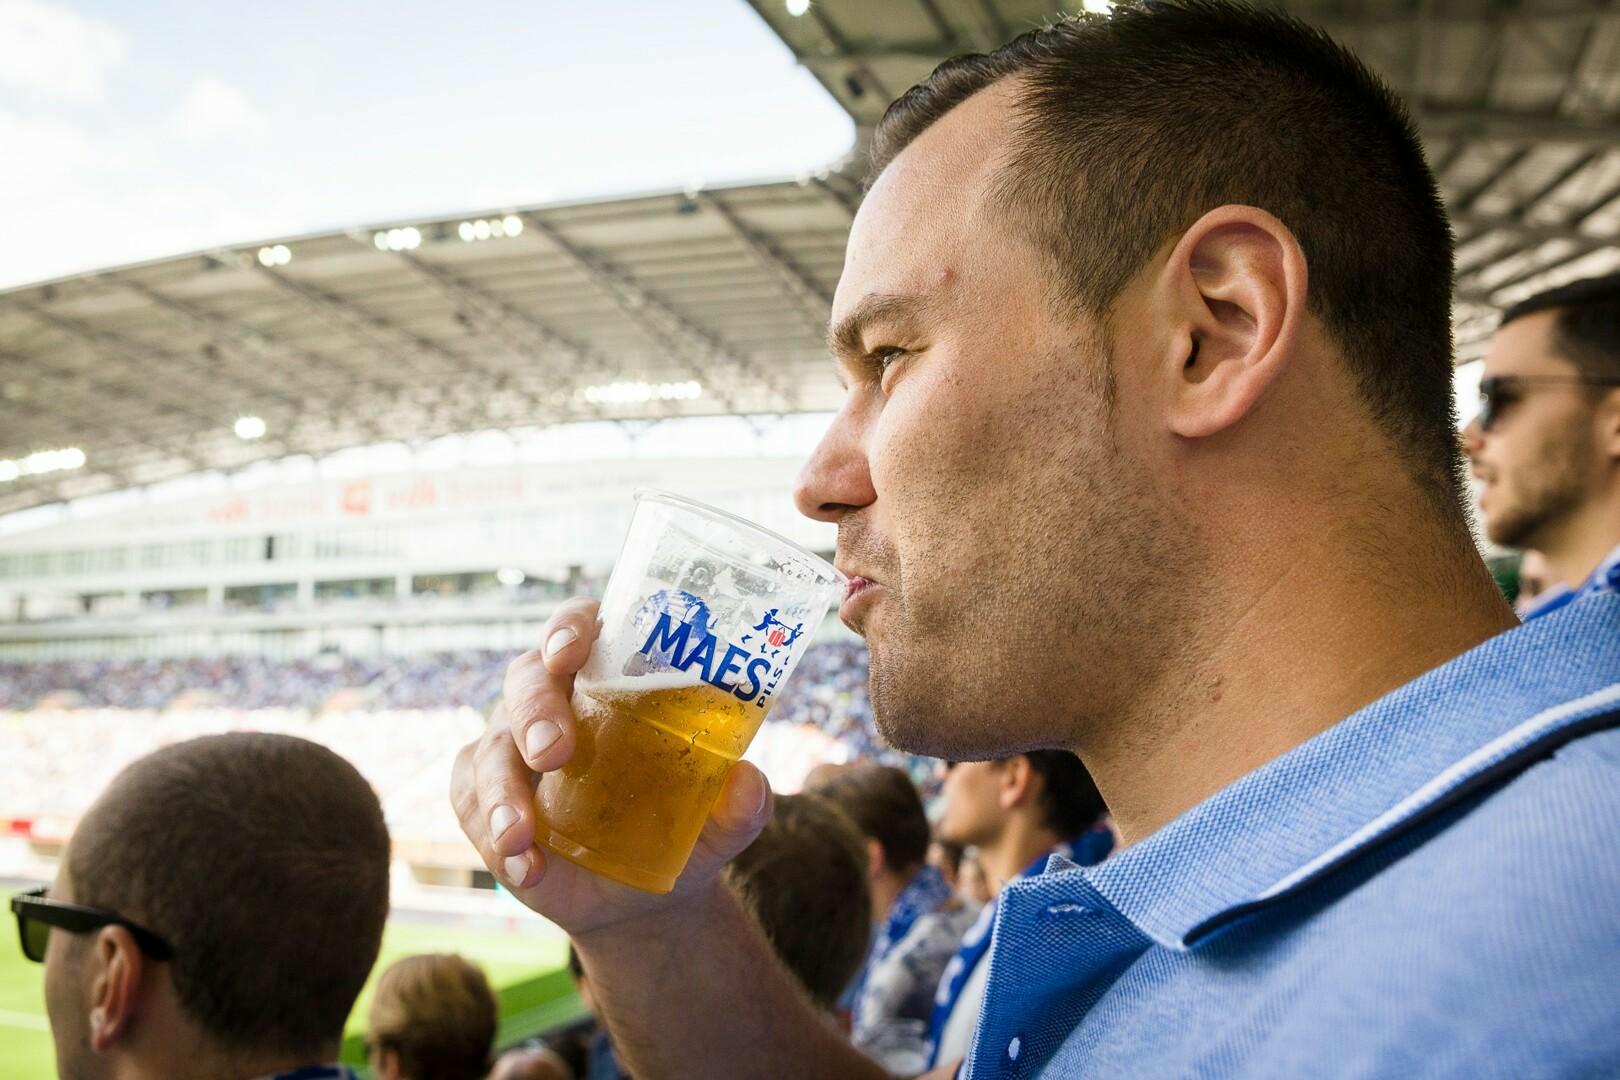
x=1016, y=813
x=1144, y=332
x=1545, y=445
x=215, y=914
x=917, y=921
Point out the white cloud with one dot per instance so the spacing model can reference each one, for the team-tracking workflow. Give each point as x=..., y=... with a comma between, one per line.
x=40, y=156
x=55, y=51
x=213, y=108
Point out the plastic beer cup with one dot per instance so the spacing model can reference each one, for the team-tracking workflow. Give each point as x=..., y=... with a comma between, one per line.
x=704, y=617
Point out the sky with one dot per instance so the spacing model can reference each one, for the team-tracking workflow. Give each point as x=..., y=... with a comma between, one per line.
x=132, y=131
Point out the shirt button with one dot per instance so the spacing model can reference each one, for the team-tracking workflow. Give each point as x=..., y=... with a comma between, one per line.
x=1014, y=1047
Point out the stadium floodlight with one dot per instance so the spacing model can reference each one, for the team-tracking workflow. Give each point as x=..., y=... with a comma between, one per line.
x=482, y=230
x=627, y=393
x=1097, y=7
x=796, y=8
x=42, y=461
x=465, y=231
x=513, y=223
x=406, y=239
x=510, y=575
x=249, y=427
x=278, y=255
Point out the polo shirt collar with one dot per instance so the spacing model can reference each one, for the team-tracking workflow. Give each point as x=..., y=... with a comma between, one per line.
x=1369, y=778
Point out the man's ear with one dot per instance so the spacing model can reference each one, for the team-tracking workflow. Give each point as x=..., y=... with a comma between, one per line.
x=1235, y=285
x=1607, y=419
x=874, y=858
x=388, y=1066
x=118, y=970
x=1017, y=781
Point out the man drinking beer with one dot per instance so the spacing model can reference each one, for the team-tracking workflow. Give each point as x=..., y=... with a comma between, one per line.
x=1144, y=325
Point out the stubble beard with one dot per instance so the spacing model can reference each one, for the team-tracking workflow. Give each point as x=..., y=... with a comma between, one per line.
x=1549, y=488
x=1027, y=645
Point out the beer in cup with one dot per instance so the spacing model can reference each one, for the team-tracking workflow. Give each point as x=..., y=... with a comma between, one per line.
x=704, y=617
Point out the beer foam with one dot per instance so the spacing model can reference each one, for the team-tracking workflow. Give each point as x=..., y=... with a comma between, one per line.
x=645, y=684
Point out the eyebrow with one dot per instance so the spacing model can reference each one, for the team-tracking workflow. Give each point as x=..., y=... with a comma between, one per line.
x=845, y=337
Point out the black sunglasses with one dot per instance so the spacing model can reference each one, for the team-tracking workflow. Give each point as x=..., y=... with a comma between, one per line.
x=1501, y=390
x=37, y=914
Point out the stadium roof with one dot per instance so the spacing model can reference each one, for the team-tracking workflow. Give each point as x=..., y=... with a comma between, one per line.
x=610, y=310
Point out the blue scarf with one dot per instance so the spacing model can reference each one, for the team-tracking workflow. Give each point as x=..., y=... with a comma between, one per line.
x=1604, y=579
x=1090, y=847
x=926, y=891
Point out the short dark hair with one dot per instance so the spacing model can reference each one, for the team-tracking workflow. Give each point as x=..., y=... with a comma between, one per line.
x=263, y=859
x=1070, y=800
x=1586, y=330
x=883, y=803
x=804, y=880
x=1132, y=125
x=437, y=1012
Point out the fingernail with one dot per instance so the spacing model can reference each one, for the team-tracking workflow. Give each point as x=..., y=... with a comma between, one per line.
x=749, y=806
x=500, y=820
x=541, y=735
x=559, y=639
x=517, y=868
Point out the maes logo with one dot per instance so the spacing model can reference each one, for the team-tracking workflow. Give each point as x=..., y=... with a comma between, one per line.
x=682, y=639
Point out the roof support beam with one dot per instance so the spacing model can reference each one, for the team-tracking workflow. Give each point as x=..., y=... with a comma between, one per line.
x=809, y=301
x=1483, y=223
x=522, y=332
x=1481, y=294
x=252, y=348
x=179, y=402
x=683, y=338
x=1452, y=122
x=429, y=362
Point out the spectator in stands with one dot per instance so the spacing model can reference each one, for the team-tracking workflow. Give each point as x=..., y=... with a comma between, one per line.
x=1148, y=451
x=600, y=1062
x=1546, y=442
x=947, y=858
x=919, y=923
x=532, y=1063
x=215, y=914
x=973, y=884
x=1535, y=578
x=804, y=881
x=1017, y=813
x=432, y=1018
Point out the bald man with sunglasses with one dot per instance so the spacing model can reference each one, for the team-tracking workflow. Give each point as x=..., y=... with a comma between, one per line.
x=214, y=916
x=1546, y=441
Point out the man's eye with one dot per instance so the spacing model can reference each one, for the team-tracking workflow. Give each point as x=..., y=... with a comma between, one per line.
x=882, y=359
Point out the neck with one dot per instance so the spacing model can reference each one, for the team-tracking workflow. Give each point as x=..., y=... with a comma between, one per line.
x=1580, y=543
x=887, y=886
x=1020, y=840
x=206, y=1066
x=1290, y=647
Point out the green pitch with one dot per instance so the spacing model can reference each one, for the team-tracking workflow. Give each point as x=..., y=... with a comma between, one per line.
x=535, y=993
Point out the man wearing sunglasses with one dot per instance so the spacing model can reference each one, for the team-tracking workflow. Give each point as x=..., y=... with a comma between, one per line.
x=1546, y=441
x=214, y=916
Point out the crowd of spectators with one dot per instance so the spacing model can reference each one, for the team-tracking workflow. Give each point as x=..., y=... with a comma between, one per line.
x=826, y=699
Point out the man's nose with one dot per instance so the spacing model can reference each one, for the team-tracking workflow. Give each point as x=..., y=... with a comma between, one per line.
x=837, y=479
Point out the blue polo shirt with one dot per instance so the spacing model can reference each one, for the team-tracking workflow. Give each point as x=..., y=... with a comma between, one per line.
x=1430, y=887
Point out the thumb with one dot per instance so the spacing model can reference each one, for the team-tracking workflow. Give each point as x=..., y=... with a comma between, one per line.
x=739, y=815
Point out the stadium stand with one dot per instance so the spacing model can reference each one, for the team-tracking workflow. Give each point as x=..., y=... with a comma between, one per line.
x=71, y=724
